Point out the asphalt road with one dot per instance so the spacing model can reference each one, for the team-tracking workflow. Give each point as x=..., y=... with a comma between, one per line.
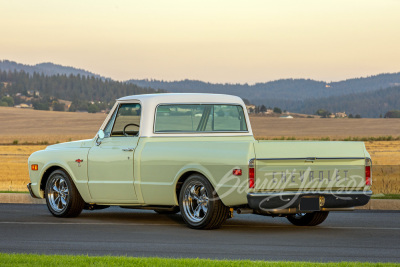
x=344, y=236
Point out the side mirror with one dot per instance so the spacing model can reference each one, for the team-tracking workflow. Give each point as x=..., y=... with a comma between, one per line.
x=100, y=137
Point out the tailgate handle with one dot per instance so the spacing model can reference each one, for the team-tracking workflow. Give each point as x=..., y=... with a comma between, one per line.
x=310, y=159
x=128, y=149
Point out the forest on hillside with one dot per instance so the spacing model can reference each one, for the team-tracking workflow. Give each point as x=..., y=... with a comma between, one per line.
x=371, y=96
x=370, y=104
x=76, y=88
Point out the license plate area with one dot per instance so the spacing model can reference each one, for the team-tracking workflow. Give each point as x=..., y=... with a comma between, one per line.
x=309, y=204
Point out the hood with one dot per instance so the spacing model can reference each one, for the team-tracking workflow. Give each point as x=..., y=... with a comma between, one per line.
x=75, y=144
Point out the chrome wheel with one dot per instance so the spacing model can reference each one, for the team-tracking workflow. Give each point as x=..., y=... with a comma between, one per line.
x=58, y=194
x=195, y=201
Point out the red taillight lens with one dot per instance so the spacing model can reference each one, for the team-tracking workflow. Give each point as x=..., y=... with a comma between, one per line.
x=237, y=172
x=368, y=179
x=251, y=178
x=252, y=165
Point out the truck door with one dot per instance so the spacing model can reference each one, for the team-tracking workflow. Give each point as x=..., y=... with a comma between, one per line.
x=110, y=164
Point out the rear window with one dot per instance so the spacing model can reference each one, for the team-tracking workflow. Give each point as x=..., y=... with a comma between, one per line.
x=199, y=118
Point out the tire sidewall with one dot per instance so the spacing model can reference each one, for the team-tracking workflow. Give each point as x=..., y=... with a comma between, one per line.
x=67, y=179
x=306, y=219
x=211, y=204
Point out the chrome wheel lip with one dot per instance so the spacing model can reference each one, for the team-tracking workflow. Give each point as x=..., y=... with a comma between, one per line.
x=196, y=202
x=58, y=194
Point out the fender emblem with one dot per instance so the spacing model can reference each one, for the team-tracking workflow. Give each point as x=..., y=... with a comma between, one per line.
x=79, y=162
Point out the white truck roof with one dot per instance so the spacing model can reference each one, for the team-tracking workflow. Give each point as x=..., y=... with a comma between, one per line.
x=184, y=98
x=149, y=103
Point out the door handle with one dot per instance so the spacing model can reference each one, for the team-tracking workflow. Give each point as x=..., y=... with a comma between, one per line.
x=128, y=149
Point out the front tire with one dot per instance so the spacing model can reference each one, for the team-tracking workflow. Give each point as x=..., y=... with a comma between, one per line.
x=200, y=206
x=62, y=197
x=308, y=219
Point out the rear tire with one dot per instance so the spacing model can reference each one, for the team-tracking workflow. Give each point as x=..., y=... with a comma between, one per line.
x=62, y=197
x=308, y=219
x=200, y=206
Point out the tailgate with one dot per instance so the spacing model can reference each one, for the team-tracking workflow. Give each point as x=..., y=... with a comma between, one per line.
x=310, y=166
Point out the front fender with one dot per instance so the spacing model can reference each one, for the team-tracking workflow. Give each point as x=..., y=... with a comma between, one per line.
x=64, y=159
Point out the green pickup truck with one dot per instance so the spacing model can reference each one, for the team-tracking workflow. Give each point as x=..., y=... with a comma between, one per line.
x=196, y=154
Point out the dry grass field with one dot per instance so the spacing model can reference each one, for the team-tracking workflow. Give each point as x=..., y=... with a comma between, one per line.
x=33, y=126
x=385, y=157
x=14, y=167
x=45, y=127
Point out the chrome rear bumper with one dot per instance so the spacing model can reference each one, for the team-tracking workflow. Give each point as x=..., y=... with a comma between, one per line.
x=329, y=200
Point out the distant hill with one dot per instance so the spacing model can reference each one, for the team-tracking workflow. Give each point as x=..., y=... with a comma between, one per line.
x=280, y=92
x=368, y=104
x=368, y=96
x=48, y=69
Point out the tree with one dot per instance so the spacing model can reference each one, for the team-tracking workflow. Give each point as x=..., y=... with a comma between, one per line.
x=277, y=110
x=358, y=116
x=9, y=100
x=323, y=113
x=351, y=116
x=263, y=108
x=393, y=114
x=41, y=105
x=57, y=106
x=93, y=108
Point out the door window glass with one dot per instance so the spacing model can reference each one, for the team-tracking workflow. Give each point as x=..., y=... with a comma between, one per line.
x=128, y=118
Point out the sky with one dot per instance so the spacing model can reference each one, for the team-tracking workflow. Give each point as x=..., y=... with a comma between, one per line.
x=223, y=41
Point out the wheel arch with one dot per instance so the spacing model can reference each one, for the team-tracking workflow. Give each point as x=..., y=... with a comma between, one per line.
x=52, y=166
x=46, y=175
x=183, y=176
x=181, y=180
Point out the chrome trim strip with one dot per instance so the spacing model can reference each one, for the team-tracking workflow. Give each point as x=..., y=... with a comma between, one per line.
x=291, y=193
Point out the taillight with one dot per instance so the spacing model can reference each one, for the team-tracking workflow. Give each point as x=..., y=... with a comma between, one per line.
x=34, y=167
x=251, y=173
x=237, y=172
x=368, y=176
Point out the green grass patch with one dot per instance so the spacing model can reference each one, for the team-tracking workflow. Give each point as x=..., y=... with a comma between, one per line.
x=58, y=260
x=386, y=196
